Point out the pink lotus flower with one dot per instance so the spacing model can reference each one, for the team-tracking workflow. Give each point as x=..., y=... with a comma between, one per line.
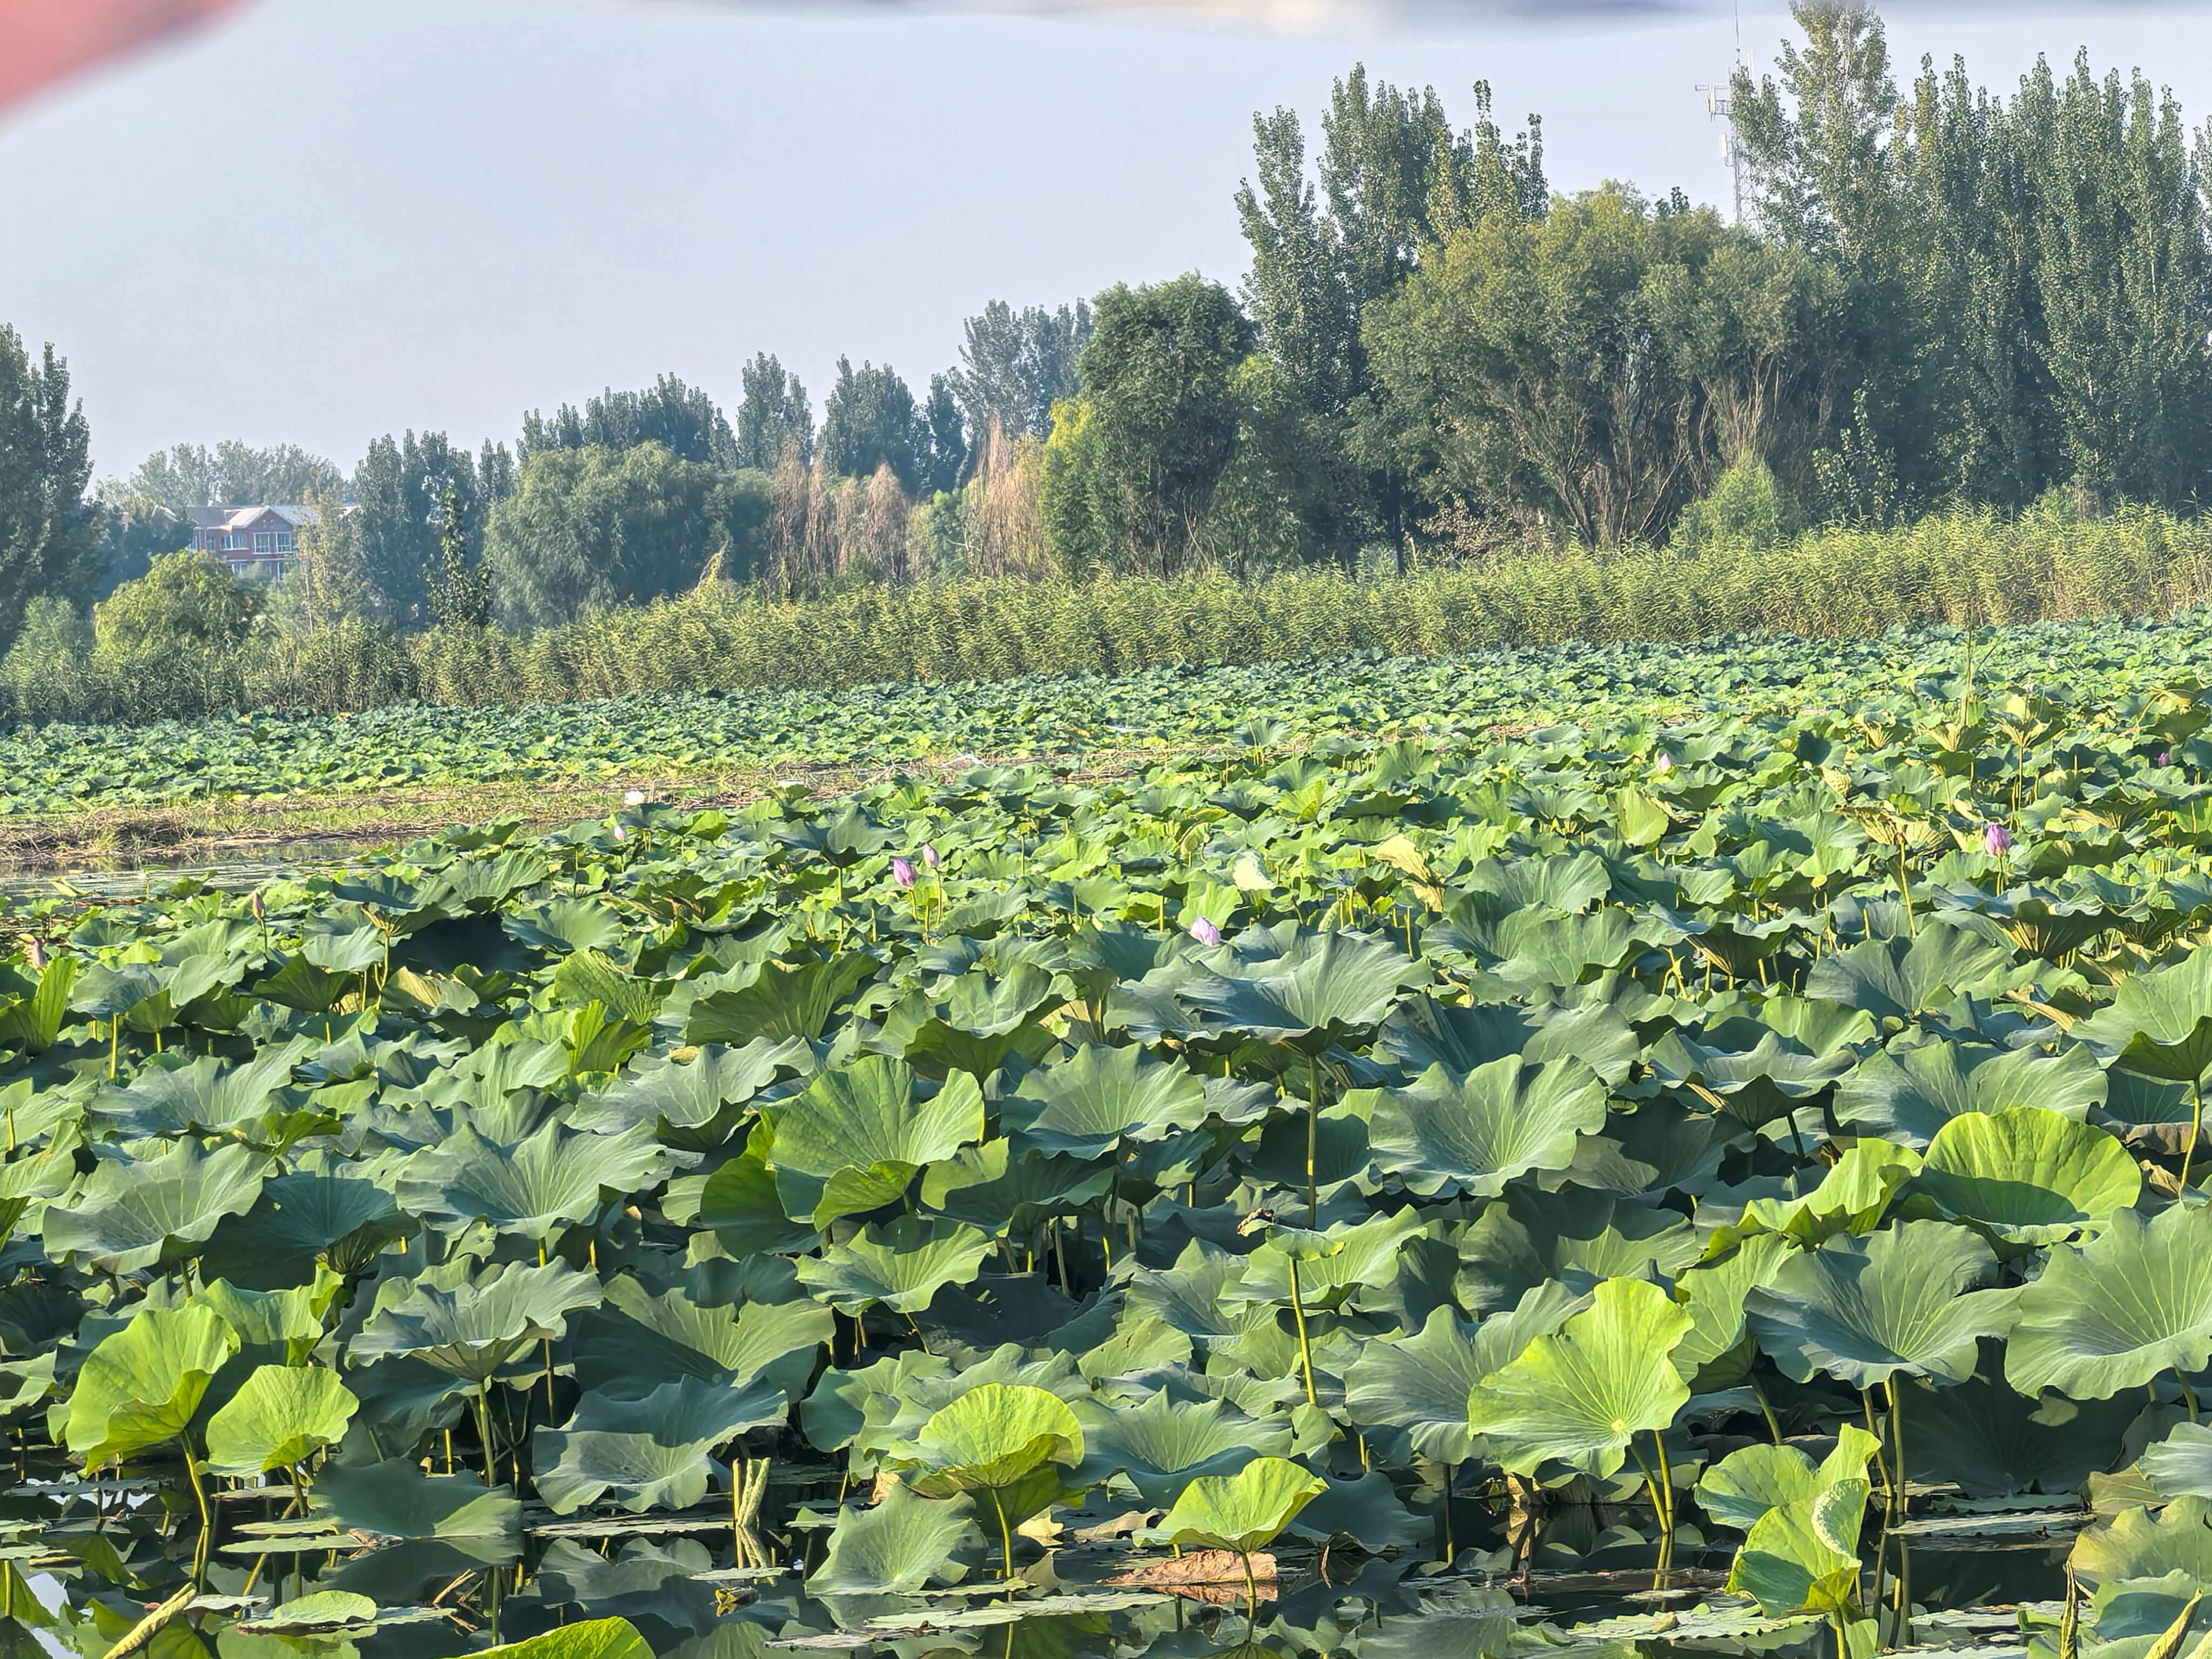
x=1664, y=764
x=1996, y=839
x=1205, y=932
x=930, y=855
x=902, y=873
x=2166, y=758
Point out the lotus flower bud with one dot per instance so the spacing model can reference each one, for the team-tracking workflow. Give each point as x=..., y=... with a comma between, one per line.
x=902, y=873
x=2166, y=758
x=35, y=954
x=930, y=855
x=1997, y=839
x=621, y=834
x=255, y=903
x=1205, y=932
x=1664, y=764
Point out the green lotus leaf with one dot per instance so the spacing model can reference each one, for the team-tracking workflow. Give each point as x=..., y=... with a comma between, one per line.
x=396, y=1500
x=179, y=1094
x=1753, y=1085
x=1528, y=1237
x=1191, y=1296
x=2180, y=1465
x=1741, y=1487
x=691, y=1103
x=477, y=1325
x=299, y=1218
x=1420, y=1383
x=1474, y=1133
x=651, y=1452
x=1863, y=1310
x=591, y=1638
x=134, y=1214
x=991, y=1438
x=1803, y=1556
x=318, y=1610
x=1580, y=1394
x=1161, y=1445
x=1983, y=1437
x=140, y=1386
x=279, y=1415
x=1085, y=1105
x=894, y=1548
x=1850, y=1196
x=1897, y=978
x=1910, y=1092
x=857, y=1136
x=902, y=1263
x=2109, y=1316
x=1324, y=985
x=988, y=1186
x=778, y=1003
x=1244, y=1511
x=672, y=1335
x=1424, y=1032
x=2158, y=1023
x=2140, y=1543
x=2027, y=1176
x=1717, y=1352
x=1332, y=1265
x=740, y=1202
x=548, y=1179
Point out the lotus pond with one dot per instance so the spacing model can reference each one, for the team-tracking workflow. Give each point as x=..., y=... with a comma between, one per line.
x=702, y=737
x=1725, y=1185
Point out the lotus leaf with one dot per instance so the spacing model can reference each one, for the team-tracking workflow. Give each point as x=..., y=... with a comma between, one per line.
x=477, y=1325
x=1476, y=1132
x=650, y=1451
x=135, y=1214
x=1102, y=1095
x=1864, y=1310
x=1244, y=1511
x=858, y=1135
x=1803, y=1556
x=2109, y=1316
x=1743, y=1486
x=142, y=1385
x=278, y=1416
x=547, y=1181
x=1580, y=1394
x=895, y=1548
x=901, y=1264
x=1161, y=1445
x=2027, y=1176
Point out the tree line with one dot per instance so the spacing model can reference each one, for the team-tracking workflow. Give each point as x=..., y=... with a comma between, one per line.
x=1946, y=298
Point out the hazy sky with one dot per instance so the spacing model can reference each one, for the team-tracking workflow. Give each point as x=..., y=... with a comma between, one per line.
x=336, y=218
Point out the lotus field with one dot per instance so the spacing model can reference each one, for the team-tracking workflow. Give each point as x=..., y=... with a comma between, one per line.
x=1725, y=1183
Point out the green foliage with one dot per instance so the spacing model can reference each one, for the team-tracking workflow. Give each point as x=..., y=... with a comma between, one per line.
x=593, y=527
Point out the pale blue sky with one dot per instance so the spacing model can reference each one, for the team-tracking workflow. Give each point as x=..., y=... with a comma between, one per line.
x=334, y=218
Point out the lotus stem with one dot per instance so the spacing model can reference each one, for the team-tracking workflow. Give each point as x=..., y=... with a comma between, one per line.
x=1006, y=1541
x=2188, y=1393
x=1312, y=1142
x=1305, y=1349
x=2196, y=1128
x=207, y=1519
x=1251, y=1588
x=1766, y=1410
x=484, y=1432
x=2069, y=1620
x=1904, y=1549
x=1666, y=1504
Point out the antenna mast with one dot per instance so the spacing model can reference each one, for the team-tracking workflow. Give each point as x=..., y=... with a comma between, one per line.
x=1720, y=106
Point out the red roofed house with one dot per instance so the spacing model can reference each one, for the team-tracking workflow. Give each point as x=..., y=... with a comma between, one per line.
x=256, y=543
